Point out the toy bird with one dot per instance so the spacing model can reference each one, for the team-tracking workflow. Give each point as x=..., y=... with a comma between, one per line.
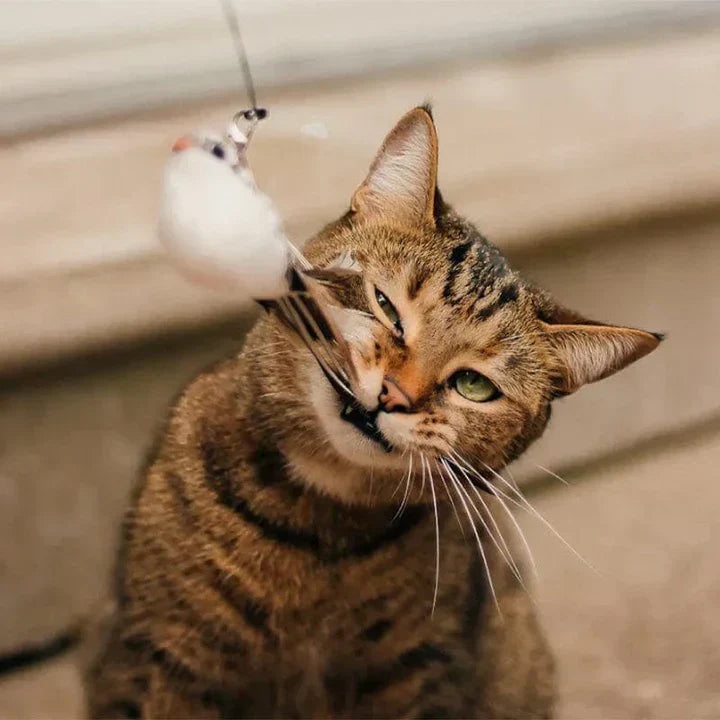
x=215, y=221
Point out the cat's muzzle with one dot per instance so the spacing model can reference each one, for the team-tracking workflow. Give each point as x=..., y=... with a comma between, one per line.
x=366, y=422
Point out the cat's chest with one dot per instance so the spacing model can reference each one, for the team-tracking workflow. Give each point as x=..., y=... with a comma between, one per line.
x=362, y=600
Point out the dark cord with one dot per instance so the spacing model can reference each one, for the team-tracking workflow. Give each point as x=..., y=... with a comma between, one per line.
x=232, y=21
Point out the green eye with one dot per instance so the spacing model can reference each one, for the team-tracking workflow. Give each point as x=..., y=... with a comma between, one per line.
x=473, y=386
x=390, y=312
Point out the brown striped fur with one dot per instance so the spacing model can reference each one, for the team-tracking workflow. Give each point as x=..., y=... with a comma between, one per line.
x=264, y=572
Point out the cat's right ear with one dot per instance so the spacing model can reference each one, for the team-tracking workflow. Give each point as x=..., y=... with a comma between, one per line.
x=400, y=186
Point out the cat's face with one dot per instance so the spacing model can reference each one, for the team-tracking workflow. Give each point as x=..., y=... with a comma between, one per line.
x=454, y=355
x=460, y=357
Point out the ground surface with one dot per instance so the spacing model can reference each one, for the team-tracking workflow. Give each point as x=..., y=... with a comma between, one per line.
x=636, y=639
x=641, y=637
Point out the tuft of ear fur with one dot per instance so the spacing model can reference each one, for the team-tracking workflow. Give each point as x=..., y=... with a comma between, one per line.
x=400, y=185
x=586, y=353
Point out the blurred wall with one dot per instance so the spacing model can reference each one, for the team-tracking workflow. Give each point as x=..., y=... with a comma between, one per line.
x=77, y=60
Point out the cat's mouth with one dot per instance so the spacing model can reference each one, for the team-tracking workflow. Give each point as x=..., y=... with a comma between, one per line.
x=366, y=422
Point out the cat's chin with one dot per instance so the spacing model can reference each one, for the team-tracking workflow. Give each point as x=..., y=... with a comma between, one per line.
x=350, y=444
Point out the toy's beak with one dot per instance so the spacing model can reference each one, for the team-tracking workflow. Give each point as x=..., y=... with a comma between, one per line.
x=182, y=143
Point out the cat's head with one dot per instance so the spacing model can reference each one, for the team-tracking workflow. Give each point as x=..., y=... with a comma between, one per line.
x=460, y=355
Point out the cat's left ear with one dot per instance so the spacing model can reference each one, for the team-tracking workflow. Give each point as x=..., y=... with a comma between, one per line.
x=400, y=185
x=587, y=353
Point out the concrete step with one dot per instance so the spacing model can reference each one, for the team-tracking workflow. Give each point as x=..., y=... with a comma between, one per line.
x=51, y=691
x=639, y=637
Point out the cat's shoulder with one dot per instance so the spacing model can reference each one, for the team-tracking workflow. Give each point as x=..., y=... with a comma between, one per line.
x=209, y=407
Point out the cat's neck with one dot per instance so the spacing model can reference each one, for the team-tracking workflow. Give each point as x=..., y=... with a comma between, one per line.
x=263, y=487
x=249, y=471
x=340, y=481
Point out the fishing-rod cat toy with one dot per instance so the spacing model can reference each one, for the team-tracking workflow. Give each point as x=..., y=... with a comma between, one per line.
x=220, y=227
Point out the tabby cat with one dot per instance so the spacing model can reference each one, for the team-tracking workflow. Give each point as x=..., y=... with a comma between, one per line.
x=279, y=561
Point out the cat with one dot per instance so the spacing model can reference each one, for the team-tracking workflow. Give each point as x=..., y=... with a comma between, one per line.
x=278, y=561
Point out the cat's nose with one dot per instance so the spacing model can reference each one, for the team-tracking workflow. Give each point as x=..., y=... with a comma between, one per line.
x=392, y=397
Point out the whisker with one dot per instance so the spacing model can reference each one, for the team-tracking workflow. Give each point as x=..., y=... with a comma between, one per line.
x=528, y=507
x=397, y=487
x=480, y=549
x=505, y=508
x=505, y=553
x=511, y=476
x=452, y=502
x=437, y=543
x=299, y=302
x=372, y=482
x=426, y=462
x=409, y=480
x=459, y=460
x=519, y=530
x=304, y=263
x=301, y=330
x=403, y=503
x=554, y=474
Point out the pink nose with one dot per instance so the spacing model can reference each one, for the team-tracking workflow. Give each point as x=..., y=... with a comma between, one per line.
x=393, y=397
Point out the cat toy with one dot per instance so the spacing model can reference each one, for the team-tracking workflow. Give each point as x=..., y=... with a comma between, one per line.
x=214, y=219
x=220, y=228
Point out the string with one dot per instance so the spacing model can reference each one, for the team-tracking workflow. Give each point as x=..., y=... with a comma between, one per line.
x=255, y=113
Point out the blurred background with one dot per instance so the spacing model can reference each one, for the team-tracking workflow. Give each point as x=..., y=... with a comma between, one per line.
x=583, y=137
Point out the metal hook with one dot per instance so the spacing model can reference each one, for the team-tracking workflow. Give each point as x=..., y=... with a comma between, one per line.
x=244, y=123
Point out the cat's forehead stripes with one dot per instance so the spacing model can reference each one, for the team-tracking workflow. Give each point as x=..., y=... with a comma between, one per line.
x=477, y=270
x=436, y=334
x=438, y=295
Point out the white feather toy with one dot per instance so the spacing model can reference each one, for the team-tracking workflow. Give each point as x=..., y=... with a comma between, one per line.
x=216, y=222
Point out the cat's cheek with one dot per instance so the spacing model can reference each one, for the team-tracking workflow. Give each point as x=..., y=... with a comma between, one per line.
x=413, y=431
x=399, y=437
x=489, y=435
